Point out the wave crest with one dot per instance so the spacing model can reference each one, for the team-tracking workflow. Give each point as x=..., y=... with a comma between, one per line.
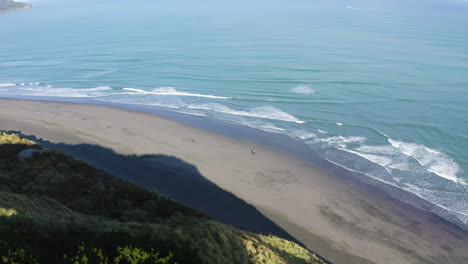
x=267, y=112
x=172, y=91
x=432, y=160
x=302, y=89
x=7, y=84
x=49, y=90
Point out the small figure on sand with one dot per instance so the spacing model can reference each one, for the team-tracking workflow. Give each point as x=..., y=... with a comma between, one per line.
x=194, y=141
x=252, y=151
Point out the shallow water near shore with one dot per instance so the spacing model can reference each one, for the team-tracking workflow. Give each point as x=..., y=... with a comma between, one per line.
x=378, y=89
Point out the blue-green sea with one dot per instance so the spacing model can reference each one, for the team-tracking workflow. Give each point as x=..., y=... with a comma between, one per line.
x=379, y=87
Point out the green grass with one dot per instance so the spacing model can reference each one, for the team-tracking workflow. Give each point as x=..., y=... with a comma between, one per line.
x=57, y=209
x=7, y=212
x=7, y=138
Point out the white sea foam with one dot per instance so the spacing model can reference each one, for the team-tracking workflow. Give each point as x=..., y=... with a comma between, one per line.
x=300, y=134
x=381, y=160
x=271, y=128
x=168, y=105
x=49, y=90
x=65, y=92
x=407, y=157
x=383, y=150
x=353, y=8
x=172, y=91
x=191, y=113
x=7, y=84
x=398, y=161
x=418, y=191
x=340, y=141
x=171, y=102
x=385, y=155
x=267, y=112
x=339, y=124
x=302, y=89
x=262, y=125
x=432, y=160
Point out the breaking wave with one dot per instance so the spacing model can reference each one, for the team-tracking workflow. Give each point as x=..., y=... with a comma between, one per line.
x=267, y=112
x=302, y=89
x=432, y=160
x=172, y=91
x=35, y=89
x=64, y=92
x=408, y=166
x=398, y=155
x=7, y=84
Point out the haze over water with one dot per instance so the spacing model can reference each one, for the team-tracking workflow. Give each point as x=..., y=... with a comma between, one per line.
x=378, y=87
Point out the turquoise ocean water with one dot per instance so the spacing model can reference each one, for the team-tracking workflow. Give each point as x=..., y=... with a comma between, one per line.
x=378, y=87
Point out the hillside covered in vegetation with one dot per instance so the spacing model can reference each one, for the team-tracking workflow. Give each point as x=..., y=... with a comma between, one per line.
x=57, y=209
x=9, y=5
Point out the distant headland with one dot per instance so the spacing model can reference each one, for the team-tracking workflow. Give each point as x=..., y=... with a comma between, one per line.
x=10, y=5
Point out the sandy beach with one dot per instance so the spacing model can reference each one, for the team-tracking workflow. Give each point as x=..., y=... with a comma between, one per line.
x=340, y=220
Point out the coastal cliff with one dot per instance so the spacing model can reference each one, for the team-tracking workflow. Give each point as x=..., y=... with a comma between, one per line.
x=9, y=5
x=57, y=209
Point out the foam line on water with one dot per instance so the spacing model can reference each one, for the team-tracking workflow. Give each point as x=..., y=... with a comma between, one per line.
x=270, y=127
x=160, y=104
x=433, y=160
x=173, y=91
x=99, y=73
x=353, y=8
x=403, y=156
x=35, y=89
x=340, y=141
x=267, y=112
x=399, y=187
x=302, y=89
x=7, y=84
x=381, y=160
x=63, y=92
x=303, y=135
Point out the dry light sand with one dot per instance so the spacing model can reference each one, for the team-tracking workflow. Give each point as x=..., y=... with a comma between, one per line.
x=341, y=221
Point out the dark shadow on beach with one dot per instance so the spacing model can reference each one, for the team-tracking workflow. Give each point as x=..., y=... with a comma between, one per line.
x=176, y=179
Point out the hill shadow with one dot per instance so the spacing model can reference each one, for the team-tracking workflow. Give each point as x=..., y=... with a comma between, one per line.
x=176, y=179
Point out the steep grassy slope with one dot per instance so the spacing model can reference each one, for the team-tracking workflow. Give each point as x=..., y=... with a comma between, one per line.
x=56, y=209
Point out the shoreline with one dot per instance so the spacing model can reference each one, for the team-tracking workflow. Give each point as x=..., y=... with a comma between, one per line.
x=340, y=219
x=284, y=143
